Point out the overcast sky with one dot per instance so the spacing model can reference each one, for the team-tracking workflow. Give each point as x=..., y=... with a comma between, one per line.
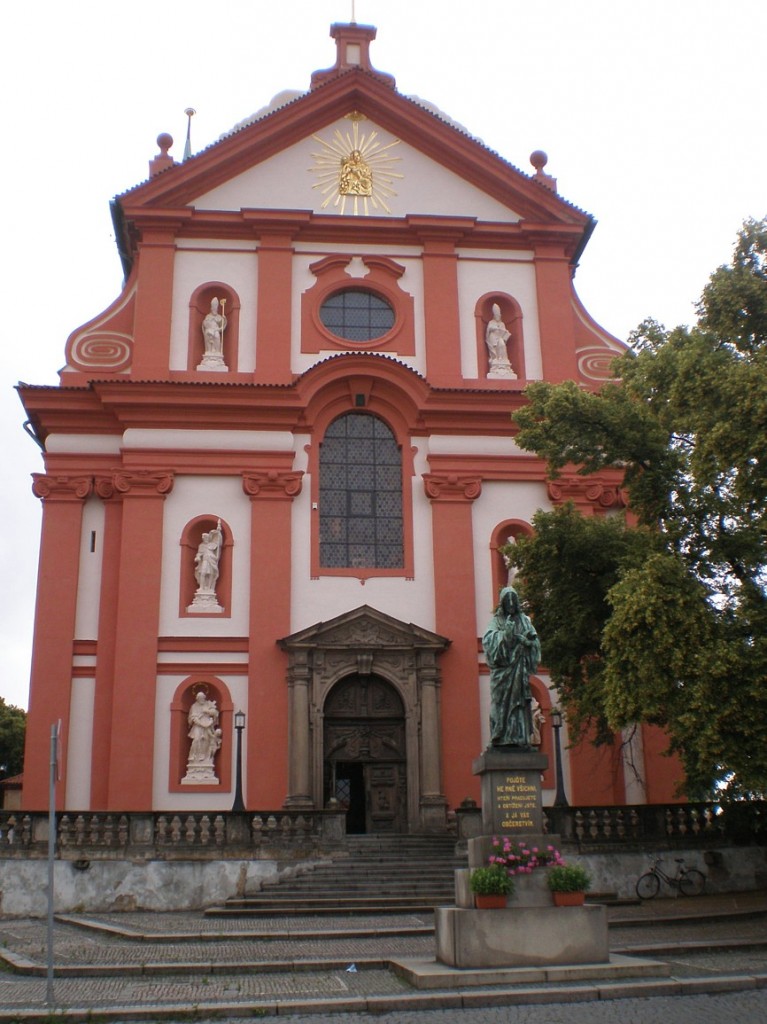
x=651, y=112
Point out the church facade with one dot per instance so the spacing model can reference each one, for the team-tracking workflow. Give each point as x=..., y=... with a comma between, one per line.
x=280, y=467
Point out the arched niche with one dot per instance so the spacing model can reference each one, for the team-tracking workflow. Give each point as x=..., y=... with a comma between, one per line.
x=504, y=533
x=199, y=307
x=183, y=698
x=511, y=314
x=191, y=538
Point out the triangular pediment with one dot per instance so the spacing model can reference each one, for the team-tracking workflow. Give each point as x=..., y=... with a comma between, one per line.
x=271, y=163
x=364, y=628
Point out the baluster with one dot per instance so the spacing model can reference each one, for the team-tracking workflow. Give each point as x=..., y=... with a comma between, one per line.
x=681, y=816
x=256, y=829
x=26, y=830
x=606, y=824
x=579, y=824
x=219, y=830
x=669, y=822
x=94, y=830
x=191, y=829
x=205, y=830
x=109, y=830
x=79, y=830
x=592, y=823
x=123, y=830
x=175, y=829
x=65, y=830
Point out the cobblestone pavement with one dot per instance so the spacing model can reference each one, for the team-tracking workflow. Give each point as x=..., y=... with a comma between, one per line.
x=161, y=966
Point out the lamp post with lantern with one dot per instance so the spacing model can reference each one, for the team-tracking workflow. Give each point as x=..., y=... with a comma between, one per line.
x=239, y=725
x=560, y=800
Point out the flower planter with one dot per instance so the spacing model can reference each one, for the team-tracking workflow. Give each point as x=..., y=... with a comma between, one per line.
x=569, y=899
x=492, y=901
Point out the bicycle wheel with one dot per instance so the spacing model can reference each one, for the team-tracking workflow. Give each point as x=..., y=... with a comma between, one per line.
x=647, y=886
x=692, y=882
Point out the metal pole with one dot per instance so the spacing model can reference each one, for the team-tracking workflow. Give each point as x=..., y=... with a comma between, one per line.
x=560, y=800
x=49, y=999
x=238, y=804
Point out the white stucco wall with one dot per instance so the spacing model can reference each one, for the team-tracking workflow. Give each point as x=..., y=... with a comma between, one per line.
x=89, y=575
x=194, y=496
x=482, y=272
x=214, y=799
x=233, y=263
x=286, y=182
x=78, y=745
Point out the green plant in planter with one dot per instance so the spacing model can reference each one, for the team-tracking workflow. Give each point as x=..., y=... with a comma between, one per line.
x=568, y=878
x=491, y=881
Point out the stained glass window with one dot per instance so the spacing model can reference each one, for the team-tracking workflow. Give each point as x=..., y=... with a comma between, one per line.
x=360, y=495
x=355, y=314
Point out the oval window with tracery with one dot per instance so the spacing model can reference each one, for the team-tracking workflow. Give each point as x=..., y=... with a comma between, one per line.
x=356, y=314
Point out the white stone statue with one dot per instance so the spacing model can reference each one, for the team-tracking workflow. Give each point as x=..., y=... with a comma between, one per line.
x=213, y=327
x=206, y=571
x=496, y=337
x=206, y=740
x=538, y=719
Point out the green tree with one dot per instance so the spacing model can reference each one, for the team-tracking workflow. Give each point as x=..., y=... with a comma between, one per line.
x=677, y=611
x=13, y=724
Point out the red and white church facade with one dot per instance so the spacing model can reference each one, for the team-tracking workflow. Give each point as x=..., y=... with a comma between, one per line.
x=343, y=422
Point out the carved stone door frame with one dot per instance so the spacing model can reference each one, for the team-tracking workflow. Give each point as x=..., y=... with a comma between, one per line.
x=364, y=642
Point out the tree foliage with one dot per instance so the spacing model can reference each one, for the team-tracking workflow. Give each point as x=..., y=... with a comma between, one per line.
x=673, y=628
x=13, y=724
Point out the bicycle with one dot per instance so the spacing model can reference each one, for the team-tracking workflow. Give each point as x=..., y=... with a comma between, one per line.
x=688, y=881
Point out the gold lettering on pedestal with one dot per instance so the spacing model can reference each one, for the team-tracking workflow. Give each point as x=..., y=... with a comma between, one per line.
x=516, y=801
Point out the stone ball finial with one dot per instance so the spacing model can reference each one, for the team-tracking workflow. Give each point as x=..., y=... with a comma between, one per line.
x=164, y=141
x=539, y=159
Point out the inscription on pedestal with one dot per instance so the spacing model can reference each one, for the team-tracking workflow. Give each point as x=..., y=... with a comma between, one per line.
x=511, y=791
x=516, y=801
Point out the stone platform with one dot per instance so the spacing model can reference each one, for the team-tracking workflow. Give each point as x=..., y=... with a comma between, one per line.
x=430, y=974
x=538, y=936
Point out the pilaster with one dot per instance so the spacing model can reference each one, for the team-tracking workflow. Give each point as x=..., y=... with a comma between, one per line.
x=154, y=296
x=271, y=492
x=135, y=637
x=451, y=497
x=51, y=676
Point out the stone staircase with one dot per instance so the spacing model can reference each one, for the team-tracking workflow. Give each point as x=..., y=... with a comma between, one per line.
x=374, y=874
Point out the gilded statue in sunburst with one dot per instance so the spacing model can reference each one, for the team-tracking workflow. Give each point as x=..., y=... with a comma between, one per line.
x=355, y=170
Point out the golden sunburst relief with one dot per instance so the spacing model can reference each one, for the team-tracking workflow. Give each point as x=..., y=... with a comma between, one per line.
x=355, y=169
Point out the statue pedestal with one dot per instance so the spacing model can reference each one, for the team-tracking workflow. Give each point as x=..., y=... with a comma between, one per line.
x=511, y=791
x=200, y=774
x=205, y=603
x=213, y=361
x=530, y=931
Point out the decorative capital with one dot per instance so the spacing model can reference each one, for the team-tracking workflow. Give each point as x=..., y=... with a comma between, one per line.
x=585, y=492
x=61, y=488
x=142, y=483
x=452, y=486
x=272, y=484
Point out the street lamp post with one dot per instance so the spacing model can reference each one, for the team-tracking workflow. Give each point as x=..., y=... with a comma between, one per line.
x=560, y=800
x=239, y=724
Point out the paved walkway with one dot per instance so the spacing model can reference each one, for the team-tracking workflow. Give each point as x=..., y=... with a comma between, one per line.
x=155, y=967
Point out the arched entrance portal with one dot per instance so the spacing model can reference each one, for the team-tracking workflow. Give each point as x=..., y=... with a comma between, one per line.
x=364, y=703
x=365, y=765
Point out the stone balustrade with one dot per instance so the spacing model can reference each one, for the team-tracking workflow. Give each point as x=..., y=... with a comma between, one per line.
x=166, y=835
x=267, y=834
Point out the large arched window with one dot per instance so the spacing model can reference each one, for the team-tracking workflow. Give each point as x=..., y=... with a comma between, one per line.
x=360, y=495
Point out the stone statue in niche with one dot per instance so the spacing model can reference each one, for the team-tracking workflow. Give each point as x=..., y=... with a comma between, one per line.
x=205, y=734
x=496, y=337
x=206, y=571
x=538, y=719
x=213, y=327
